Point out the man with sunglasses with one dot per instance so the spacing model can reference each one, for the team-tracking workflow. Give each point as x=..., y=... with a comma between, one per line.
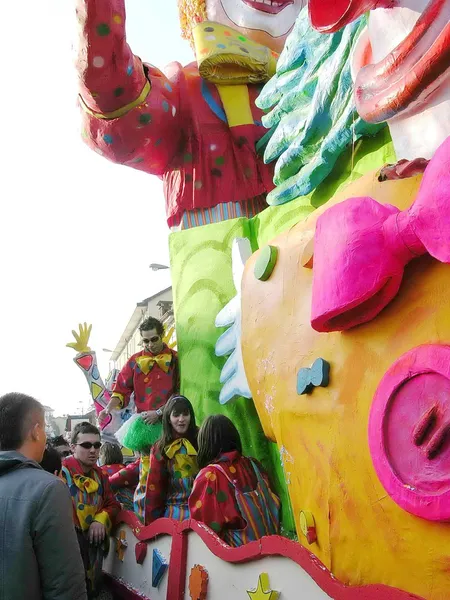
x=151, y=374
x=94, y=504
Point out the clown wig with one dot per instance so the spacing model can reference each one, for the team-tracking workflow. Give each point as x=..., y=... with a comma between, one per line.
x=191, y=13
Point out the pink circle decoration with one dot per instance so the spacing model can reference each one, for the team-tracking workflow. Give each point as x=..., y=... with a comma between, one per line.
x=409, y=432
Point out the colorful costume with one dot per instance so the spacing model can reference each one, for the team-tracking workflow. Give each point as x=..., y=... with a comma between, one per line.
x=153, y=379
x=92, y=501
x=163, y=481
x=197, y=136
x=170, y=479
x=233, y=497
x=123, y=495
x=133, y=479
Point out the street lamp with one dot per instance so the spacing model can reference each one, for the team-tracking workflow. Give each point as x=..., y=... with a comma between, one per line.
x=158, y=267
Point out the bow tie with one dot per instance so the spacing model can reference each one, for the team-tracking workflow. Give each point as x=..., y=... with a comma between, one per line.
x=146, y=363
x=361, y=248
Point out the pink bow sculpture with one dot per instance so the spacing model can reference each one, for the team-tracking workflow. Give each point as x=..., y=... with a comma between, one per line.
x=361, y=248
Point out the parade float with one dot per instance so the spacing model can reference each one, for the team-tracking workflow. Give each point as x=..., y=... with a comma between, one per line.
x=332, y=301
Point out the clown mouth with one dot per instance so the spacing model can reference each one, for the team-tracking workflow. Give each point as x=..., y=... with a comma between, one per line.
x=407, y=77
x=267, y=6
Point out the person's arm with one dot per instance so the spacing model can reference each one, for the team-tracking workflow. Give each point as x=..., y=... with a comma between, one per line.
x=110, y=506
x=121, y=392
x=130, y=111
x=126, y=477
x=56, y=547
x=157, y=485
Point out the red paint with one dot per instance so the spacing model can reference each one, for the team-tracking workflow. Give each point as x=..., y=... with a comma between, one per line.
x=140, y=551
x=268, y=8
x=268, y=546
x=85, y=362
x=328, y=16
x=409, y=432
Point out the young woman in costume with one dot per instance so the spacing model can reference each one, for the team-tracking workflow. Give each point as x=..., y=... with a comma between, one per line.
x=163, y=475
x=172, y=464
x=232, y=493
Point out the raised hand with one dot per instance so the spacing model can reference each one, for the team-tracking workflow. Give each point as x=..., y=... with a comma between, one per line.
x=81, y=338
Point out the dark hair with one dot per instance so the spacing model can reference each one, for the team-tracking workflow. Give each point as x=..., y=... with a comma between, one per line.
x=151, y=323
x=111, y=454
x=180, y=404
x=216, y=436
x=59, y=440
x=18, y=413
x=84, y=427
x=51, y=461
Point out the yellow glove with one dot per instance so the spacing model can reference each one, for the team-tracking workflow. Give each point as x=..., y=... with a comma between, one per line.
x=82, y=338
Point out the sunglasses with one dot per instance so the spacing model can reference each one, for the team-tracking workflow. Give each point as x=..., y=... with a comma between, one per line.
x=153, y=339
x=89, y=445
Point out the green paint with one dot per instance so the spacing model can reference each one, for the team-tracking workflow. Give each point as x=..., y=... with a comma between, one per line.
x=203, y=284
x=265, y=263
x=103, y=29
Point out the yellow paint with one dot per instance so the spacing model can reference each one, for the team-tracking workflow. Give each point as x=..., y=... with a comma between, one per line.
x=120, y=111
x=236, y=104
x=363, y=536
x=263, y=591
x=96, y=390
x=307, y=524
x=226, y=56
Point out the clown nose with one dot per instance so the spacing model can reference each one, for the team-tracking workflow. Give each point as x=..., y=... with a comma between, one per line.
x=328, y=16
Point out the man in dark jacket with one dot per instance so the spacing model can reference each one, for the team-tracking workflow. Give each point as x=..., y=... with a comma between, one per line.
x=39, y=555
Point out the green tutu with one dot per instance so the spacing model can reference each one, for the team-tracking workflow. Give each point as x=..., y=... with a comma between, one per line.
x=137, y=435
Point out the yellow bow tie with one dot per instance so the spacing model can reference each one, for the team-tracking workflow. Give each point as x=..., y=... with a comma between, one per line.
x=146, y=363
x=185, y=464
x=85, y=484
x=225, y=56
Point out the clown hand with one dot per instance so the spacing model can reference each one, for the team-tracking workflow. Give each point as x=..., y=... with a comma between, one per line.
x=233, y=375
x=313, y=117
x=82, y=338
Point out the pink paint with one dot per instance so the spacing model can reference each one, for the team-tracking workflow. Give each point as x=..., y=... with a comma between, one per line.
x=409, y=432
x=361, y=248
x=273, y=545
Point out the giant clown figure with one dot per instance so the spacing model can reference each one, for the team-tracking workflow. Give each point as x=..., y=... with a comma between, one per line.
x=194, y=126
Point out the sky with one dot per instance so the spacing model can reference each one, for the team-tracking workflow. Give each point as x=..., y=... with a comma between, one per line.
x=77, y=233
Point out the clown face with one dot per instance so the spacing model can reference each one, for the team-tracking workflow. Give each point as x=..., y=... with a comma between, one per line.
x=402, y=69
x=267, y=22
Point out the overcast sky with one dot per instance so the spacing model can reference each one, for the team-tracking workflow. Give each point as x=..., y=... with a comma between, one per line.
x=77, y=232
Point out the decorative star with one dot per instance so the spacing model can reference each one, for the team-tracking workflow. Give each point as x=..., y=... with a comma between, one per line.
x=198, y=583
x=121, y=544
x=263, y=591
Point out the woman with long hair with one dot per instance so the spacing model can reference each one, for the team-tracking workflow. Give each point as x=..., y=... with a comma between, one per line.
x=172, y=464
x=232, y=493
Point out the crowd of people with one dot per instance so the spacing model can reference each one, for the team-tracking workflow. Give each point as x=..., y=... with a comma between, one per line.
x=59, y=499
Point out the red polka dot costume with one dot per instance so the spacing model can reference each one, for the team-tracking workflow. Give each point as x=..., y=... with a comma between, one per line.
x=233, y=497
x=171, y=124
x=152, y=378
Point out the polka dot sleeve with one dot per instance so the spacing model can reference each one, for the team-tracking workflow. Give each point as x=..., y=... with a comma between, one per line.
x=157, y=486
x=212, y=501
x=110, y=75
x=130, y=111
